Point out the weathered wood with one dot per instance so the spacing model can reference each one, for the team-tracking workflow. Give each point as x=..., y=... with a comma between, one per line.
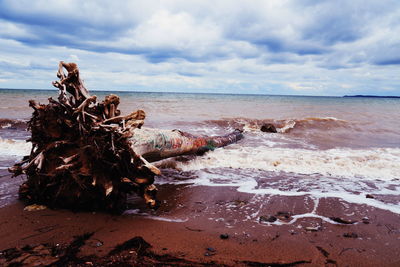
x=87, y=156
x=156, y=144
x=80, y=160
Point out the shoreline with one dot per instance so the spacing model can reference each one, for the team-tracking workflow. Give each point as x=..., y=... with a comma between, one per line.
x=217, y=225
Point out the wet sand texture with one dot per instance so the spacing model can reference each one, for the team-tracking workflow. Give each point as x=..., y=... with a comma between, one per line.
x=210, y=225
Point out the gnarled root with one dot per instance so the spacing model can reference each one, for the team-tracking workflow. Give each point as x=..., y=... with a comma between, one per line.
x=82, y=156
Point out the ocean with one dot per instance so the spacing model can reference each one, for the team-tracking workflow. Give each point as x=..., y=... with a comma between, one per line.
x=325, y=146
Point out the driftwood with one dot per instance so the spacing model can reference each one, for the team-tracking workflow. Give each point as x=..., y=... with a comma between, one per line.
x=155, y=144
x=81, y=156
x=87, y=156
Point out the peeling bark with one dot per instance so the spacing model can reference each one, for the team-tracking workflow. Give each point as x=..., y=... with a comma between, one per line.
x=155, y=144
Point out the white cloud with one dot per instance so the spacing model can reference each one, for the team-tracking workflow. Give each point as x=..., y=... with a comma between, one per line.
x=175, y=31
x=73, y=58
x=326, y=48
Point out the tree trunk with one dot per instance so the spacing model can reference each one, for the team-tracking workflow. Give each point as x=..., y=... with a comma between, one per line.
x=87, y=156
x=155, y=144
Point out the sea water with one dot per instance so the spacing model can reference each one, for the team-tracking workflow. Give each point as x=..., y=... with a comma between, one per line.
x=324, y=147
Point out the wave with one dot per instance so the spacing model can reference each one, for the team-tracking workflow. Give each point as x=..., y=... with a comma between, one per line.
x=13, y=124
x=326, y=123
x=10, y=147
x=378, y=163
x=284, y=125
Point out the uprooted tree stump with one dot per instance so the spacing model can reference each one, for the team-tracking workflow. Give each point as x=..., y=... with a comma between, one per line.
x=81, y=155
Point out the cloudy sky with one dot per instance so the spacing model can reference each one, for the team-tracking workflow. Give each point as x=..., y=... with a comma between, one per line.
x=256, y=47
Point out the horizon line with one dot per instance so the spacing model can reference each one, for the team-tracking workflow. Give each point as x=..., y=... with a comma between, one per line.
x=211, y=93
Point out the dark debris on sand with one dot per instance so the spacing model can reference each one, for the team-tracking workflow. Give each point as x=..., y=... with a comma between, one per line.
x=134, y=252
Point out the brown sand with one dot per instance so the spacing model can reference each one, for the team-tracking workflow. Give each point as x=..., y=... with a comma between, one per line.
x=204, y=213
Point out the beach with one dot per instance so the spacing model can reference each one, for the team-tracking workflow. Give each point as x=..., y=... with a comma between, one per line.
x=323, y=190
x=214, y=231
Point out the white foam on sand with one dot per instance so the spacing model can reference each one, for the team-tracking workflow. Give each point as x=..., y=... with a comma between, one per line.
x=350, y=191
x=145, y=215
x=348, y=174
x=295, y=218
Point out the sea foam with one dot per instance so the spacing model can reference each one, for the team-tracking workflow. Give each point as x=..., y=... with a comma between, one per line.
x=18, y=148
x=374, y=163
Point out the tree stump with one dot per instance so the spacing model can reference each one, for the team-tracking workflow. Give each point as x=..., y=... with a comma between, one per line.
x=82, y=157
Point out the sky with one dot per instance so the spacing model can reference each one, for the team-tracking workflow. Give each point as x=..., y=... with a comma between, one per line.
x=307, y=47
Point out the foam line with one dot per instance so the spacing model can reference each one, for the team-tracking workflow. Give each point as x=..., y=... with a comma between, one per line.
x=10, y=147
x=341, y=162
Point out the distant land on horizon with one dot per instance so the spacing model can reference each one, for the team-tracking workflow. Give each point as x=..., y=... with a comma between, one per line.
x=376, y=96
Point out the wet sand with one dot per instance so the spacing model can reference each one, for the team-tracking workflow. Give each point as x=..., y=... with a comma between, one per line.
x=189, y=225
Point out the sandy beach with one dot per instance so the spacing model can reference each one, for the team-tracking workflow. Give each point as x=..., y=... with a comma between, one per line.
x=303, y=196
x=208, y=226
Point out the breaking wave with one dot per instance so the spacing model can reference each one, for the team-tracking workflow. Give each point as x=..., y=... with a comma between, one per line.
x=282, y=126
x=10, y=147
x=13, y=124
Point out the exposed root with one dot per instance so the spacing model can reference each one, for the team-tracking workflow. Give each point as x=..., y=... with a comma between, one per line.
x=81, y=154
